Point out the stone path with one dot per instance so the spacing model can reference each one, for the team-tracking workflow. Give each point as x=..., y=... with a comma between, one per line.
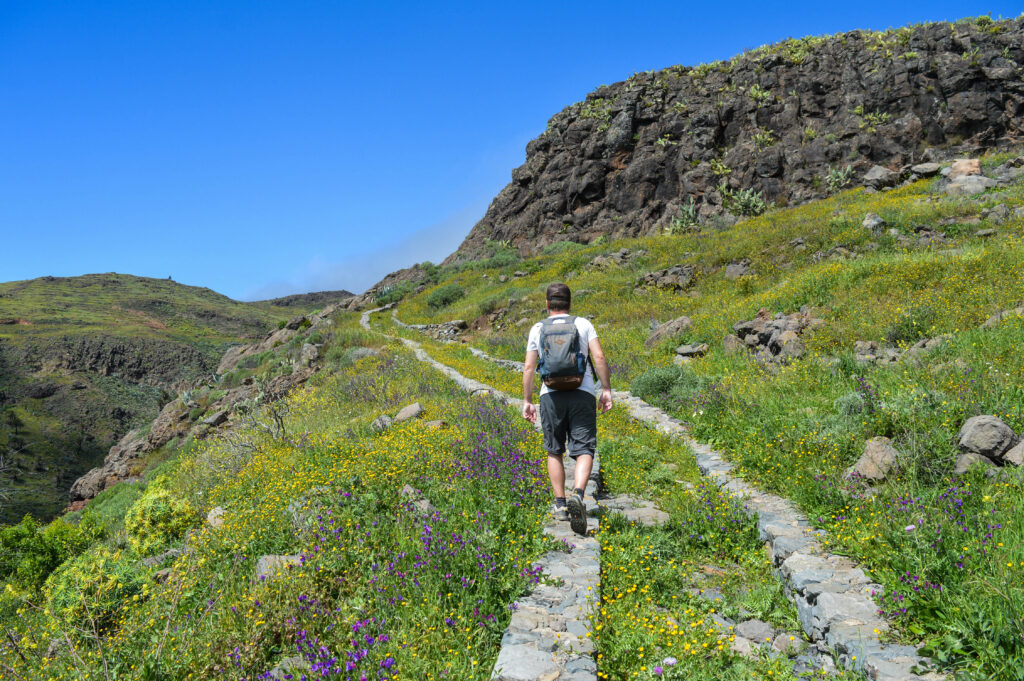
x=833, y=595
x=549, y=635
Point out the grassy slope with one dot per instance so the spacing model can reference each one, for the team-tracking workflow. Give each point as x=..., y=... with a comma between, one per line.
x=63, y=435
x=434, y=589
x=796, y=430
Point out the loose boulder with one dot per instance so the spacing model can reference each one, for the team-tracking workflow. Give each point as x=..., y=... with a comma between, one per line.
x=755, y=630
x=873, y=223
x=270, y=565
x=880, y=177
x=668, y=330
x=986, y=436
x=737, y=269
x=788, y=345
x=964, y=167
x=968, y=185
x=674, y=278
x=732, y=345
x=692, y=350
x=967, y=460
x=215, y=517
x=925, y=169
x=1015, y=457
x=381, y=423
x=409, y=412
x=877, y=460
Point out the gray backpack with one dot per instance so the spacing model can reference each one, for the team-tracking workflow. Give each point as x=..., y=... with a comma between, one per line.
x=562, y=364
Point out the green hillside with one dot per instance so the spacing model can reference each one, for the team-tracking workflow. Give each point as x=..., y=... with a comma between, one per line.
x=355, y=508
x=85, y=359
x=939, y=268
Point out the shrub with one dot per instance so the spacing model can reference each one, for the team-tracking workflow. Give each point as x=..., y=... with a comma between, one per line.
x=156, y=520
x=489, y=305
x=850, y=404
x=660, y=381
x=743, y=201
x=688, y=218
x=445, y=296
x=911, y=325
x=393, y=294
x=838, y=178
x=29, y=553
x=560, y=247
x=89, y=590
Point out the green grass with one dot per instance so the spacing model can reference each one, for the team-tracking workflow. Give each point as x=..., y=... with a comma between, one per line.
x=795, y=429
x=435, y=590
x=112, y=346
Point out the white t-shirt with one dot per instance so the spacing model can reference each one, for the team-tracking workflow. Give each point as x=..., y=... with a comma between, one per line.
x=587, y=333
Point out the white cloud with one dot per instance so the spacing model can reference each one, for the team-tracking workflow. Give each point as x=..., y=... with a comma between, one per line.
x=358, y=272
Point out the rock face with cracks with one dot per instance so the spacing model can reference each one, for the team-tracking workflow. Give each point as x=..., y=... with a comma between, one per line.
x=629, y=159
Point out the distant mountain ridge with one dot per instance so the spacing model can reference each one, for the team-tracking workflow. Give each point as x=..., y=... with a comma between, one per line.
x=307, y=299
x=85, y=359
x=770, y=125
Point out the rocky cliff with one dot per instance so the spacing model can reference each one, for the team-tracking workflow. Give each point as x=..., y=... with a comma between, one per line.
x=782, y=124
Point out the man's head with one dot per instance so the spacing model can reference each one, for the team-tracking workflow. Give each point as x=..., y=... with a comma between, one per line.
x=559, y=298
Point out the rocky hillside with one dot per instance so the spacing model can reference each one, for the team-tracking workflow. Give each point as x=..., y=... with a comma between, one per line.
x=305, y=300
x=782, y=124
x=83, y=360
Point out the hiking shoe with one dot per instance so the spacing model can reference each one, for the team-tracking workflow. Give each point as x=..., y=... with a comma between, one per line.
x=558, y=512
x=577, y=514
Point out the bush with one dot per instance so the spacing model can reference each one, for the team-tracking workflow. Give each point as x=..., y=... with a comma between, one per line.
x=393, y=294
x=445, y=296
x=89, y=590
x=657, y=382
x=29, y=553
x=743, y=201
x=489, y=305
x=838, y=178
x=911, y=326
x=687, y=220
x=560, y=247
x=850, y=404
x=156, y=520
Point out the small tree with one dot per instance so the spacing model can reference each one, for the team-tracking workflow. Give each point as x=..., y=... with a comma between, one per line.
x=13, y=421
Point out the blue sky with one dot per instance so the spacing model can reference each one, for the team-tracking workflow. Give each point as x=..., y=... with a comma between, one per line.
x=265, y=148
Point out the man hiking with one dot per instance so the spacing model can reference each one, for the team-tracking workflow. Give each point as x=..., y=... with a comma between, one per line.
x=561, y=347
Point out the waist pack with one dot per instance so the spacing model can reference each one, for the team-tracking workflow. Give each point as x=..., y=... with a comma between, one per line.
x=562, y=364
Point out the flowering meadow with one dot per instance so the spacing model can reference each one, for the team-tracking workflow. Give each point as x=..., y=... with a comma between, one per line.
x=946, y=549
x=340, y=553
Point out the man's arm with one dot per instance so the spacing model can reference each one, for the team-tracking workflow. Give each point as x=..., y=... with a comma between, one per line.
x=529, y=369
x=601, y=365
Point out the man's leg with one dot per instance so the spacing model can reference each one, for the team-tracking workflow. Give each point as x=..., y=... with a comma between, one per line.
x=556, y=472
x=584, y=464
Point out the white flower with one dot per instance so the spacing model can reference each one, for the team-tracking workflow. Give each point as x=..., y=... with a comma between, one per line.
x=910, y=528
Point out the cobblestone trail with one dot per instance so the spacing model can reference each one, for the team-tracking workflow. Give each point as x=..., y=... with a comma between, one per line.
x=832, y=594
x=549, y=635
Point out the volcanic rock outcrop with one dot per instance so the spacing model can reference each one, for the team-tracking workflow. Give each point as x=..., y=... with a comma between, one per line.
x=781, y=124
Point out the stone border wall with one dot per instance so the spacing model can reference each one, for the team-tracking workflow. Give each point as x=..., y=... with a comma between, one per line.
x=833, y=595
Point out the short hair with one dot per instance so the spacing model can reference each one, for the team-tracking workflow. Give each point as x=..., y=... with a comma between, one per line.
x=558, y=296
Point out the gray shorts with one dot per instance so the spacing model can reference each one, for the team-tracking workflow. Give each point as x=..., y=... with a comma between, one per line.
x=569, y=417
